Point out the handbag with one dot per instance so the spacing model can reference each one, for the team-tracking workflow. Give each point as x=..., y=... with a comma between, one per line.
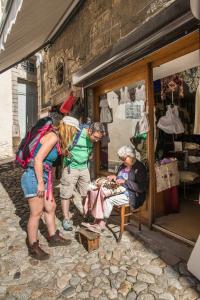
x=143, y=125
x=138, y=139
x=167, y=175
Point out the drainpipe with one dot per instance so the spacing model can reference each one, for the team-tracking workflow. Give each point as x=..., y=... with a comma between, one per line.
x=39, y=65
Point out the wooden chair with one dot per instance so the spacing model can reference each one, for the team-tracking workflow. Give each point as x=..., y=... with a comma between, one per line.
x=125, y=211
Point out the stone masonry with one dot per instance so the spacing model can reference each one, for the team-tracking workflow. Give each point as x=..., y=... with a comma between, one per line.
x=98, y=25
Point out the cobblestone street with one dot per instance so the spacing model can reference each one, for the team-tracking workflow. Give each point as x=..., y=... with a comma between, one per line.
x=125, y=271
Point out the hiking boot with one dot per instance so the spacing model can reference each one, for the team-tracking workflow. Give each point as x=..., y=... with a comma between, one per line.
x=67, y=225
x=58, y=240
x=36, y=252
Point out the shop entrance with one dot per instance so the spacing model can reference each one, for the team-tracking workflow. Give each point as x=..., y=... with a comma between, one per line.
x=177, y=146
x=120, y=103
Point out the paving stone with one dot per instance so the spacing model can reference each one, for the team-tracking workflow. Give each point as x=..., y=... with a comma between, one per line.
x=117, y=255
x=131, y=296
x=95, y=293
x=83, y=295
x=96, y=272
x=170, y=272
x=146, y=297
x=19, y=292
x=166, y=296
x=174, y=282
x=112, y=294
x=9, y=297
x=75, y=280
x=97, y=281
x=82, y=274
x=139, y=287
x=187, y=281
x=162, y=281
x=78, y=289
x=131, y=279
x=105, y=279
x=95, y=266
x=125, y=288
x=87, y=287
x=69, y=292
x=132, y=272
x=106, y=272
x=105, y=286
x=63, y=281
x=148, y=278
x=155, y=288
x=2, y=291
x=102, y=298
x=154, y=270
x=114, y=269
x=190, y=294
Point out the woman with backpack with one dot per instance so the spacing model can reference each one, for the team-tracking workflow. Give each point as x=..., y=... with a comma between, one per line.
x=37, y=152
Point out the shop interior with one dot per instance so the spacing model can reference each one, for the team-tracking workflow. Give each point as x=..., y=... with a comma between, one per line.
x=176, y=87
x=177, y=145
x=120, y=110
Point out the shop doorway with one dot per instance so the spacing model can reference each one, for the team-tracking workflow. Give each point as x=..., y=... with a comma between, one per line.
x=177, y=143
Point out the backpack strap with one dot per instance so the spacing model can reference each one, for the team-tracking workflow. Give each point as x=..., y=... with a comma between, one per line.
x=77, y=136
x=75, y=140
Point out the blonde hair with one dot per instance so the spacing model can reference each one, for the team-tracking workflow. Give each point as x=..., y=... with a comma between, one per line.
x=66, y=133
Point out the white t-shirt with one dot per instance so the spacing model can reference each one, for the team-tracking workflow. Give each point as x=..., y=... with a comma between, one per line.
x=140, y=93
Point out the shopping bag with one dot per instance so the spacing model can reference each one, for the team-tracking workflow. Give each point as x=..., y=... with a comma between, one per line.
x=143, y=125
x=167, y=175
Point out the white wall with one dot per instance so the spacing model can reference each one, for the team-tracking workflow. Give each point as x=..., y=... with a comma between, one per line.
x=177, y=65
x=6, y=115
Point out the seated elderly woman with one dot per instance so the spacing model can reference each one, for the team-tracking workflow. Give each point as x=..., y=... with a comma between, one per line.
x=132, y=175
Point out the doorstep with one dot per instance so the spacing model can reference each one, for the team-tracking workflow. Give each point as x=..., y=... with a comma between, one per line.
x=170, y=250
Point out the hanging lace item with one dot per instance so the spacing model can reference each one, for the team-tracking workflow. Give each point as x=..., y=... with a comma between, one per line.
x=197, y=111
x=171, y=84
x=171, y=123
x=191, y=77
x=105, y=114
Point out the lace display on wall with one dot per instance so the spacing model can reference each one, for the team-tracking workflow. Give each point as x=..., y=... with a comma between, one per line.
x=192, y=78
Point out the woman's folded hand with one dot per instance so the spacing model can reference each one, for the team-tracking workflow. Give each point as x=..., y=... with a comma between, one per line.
x=120, y=181
x=111, y=177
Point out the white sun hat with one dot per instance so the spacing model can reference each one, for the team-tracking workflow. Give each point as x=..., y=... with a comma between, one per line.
x=71, y=121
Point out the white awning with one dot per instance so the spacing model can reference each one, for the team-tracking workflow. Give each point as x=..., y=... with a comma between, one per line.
x=29, y=25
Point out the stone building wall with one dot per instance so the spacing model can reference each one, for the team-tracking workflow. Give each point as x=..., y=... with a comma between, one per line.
x=98, y=25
